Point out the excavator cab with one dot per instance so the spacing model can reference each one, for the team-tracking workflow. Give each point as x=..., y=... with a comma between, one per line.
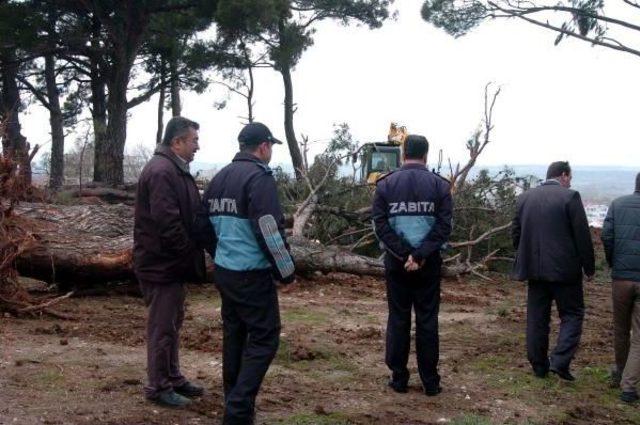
x=379, y=159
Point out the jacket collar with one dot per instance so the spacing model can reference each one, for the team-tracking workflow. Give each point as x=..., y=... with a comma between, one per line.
x=414, y=166
x=166, y=151
x=550, y=181
x=244, y=156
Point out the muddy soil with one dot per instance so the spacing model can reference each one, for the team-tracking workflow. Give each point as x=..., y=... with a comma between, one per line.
x=329, y=368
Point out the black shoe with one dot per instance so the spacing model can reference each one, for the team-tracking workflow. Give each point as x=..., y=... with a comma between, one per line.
x=228, y=420
x=563, y=374
x=540, y=373
x=629, y=396
x=397, y=386
x=170, y=399
x=433, y=391
x=189, y=390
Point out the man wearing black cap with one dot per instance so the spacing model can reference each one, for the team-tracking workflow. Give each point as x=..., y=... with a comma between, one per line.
x=412, y=211
x=249, y=251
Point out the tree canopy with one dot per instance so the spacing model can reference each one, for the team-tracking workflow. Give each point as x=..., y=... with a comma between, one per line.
x=586, y=20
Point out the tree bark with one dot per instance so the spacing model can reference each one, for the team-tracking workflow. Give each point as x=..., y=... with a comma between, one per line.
x=78, y=245
x=176, y=106
x=292, y=142
x=112, y=154
x=56, y=173
x=98, y=104
x=83, y=245
x=56, y=176
x=125, y=39
x=14, y=144
x=250, y=87
x=161, y=101
x=250, y=96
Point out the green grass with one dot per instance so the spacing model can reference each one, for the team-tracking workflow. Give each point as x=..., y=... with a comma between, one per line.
x=327, y=366
x=331, y=368
x=283, y=356
x=48, y=377
x=502, y=310
x=591, y=386
x=470, y=420
x=304, y=316
x=204, y=296
x=314, y=419
x=489, y=364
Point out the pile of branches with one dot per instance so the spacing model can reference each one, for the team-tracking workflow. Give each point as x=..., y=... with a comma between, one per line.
x=16, y=241
x=335, y=209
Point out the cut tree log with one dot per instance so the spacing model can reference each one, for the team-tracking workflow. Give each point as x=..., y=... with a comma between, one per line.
x=83, y=245
x=79, y=244
x=109, y=195
x=313, y=256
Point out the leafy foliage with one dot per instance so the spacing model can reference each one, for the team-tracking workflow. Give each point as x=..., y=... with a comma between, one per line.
x=582, y=19
x=457, y=17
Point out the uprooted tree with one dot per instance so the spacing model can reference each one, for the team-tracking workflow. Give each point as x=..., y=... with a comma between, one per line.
x=16, y=239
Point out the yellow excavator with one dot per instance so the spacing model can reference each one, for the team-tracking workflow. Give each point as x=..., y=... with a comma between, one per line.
x=381, y=158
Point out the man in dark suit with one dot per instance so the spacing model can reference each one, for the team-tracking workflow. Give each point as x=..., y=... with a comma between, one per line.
x=553, y=242
x=167, y=253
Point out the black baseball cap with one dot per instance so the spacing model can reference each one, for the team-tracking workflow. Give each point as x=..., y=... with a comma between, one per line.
x=255, y=133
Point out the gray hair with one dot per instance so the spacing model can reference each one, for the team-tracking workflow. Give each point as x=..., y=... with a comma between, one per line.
x=177, y=127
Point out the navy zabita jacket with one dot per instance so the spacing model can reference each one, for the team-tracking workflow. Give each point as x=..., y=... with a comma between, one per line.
x=248, y=222
x=412, y=211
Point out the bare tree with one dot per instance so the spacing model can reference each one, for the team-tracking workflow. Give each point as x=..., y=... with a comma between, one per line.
x=477, y=143
x=135, y=161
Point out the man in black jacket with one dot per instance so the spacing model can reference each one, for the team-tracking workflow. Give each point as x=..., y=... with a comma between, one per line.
x=166, y=255
x=250, y=249
x=621, y=240
x=553, y=242
x=412, y=211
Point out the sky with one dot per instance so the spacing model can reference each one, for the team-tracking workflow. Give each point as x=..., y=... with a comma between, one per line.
x=568, y=102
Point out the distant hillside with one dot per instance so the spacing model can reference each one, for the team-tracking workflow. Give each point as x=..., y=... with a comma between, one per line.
x=597, y=185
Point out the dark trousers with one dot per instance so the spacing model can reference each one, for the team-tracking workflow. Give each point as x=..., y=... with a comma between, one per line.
x=251, y=333
x=420, y=290
x=570, y=303
x=166, y=314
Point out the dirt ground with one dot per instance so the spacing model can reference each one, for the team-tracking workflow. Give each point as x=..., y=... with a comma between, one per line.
x=330, y=365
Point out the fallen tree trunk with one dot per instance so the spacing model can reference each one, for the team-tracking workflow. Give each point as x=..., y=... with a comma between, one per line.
x=312, y=256
x=79, y=244
x=109, y=195
x=82, y=245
